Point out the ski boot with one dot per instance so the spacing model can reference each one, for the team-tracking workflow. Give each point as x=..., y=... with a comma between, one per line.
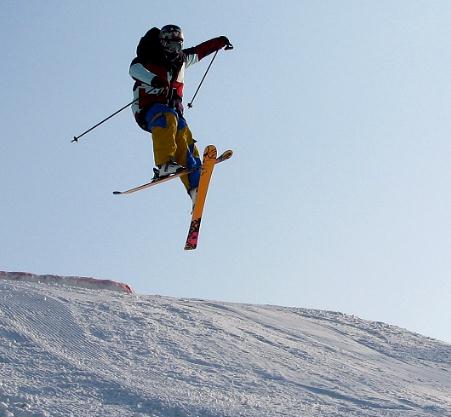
x=167, y=169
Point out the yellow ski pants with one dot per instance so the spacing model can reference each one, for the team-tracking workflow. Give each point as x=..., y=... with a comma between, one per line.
x=173, y=141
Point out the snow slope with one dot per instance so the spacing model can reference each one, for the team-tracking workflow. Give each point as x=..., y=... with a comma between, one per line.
x=84, y=282
x=74, y=351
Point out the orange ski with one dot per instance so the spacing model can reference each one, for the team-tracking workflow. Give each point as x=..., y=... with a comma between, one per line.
x=208, y=165
x=223, y=157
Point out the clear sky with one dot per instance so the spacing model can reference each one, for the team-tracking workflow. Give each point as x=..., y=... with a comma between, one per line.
x=338, y=195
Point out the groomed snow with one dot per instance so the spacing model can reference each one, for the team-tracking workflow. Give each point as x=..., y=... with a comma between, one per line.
x=76, y=351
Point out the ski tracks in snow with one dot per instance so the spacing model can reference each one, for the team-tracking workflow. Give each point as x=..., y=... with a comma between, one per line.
x=341, y=359
x=80, y=352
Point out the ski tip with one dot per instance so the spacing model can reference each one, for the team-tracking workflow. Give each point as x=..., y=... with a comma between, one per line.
x=210, y=152
x=117, y=192
x=226, y=155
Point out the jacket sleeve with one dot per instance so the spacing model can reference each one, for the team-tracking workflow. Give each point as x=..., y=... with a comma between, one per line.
x=140, y=73
x=196, y=53
x=146, y=78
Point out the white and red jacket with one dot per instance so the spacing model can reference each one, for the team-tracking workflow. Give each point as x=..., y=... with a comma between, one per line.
x=158, y=80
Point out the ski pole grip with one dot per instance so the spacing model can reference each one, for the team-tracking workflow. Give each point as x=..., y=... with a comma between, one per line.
x=228, y=47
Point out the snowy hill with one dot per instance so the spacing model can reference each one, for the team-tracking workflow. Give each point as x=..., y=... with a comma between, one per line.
x=75, y=351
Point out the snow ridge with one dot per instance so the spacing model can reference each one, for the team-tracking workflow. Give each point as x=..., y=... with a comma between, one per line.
x=73, y=351
x=85, y=282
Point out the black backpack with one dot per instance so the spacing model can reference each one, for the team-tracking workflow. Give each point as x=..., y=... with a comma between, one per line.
x=149, y=44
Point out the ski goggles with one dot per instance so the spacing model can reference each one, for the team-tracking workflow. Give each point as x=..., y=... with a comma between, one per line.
x=172, y=45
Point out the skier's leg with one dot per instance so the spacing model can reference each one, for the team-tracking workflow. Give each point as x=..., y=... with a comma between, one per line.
x=162, y=123
x=187, y=154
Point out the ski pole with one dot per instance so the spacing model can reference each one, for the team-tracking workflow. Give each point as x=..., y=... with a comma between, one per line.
x=190, y=104
x=75, y=139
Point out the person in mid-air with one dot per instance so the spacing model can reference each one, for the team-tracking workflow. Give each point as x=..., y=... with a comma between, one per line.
x=158, y=71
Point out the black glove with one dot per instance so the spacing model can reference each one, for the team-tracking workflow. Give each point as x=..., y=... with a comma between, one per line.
x=228, y=45
x=157, y=82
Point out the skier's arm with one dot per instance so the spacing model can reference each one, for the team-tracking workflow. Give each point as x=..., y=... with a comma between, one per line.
x=140, y=73
x=196, y=53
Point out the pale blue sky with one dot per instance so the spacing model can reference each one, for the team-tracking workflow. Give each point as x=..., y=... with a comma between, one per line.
x=337, y=198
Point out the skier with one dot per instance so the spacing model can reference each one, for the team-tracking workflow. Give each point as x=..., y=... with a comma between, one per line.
x=158, y=71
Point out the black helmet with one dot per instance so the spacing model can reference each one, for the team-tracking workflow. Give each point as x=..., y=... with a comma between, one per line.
x=171, y=39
